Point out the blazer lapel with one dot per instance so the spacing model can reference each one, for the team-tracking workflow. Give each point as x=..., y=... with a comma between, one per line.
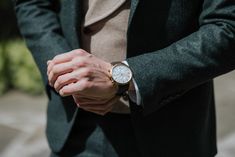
x=134, y=4
x=73, y=19
x=74, y=12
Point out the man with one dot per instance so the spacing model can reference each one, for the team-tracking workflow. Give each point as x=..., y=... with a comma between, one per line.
x=157, y=101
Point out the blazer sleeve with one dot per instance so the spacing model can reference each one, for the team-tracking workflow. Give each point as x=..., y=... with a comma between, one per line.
x=39, y=24
x=189, y=62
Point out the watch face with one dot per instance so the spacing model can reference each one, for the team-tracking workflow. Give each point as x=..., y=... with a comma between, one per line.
x=121, y=73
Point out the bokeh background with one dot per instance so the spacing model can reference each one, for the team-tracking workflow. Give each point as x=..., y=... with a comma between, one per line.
x=23, y=101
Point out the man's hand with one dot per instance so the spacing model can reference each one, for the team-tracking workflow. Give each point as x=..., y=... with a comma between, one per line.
x=82, y=75
x=100, y=107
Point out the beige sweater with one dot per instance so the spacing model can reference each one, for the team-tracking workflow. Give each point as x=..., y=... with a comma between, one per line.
x=104, y=33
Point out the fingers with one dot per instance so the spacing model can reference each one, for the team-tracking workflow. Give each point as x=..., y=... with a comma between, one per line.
x=75, y=88
x=62, y=58
x=58, y=70
x=65, y=63
x=64, y=80
x=71, y=77
x=65, y=57
x=78, y=72
x=100, y=109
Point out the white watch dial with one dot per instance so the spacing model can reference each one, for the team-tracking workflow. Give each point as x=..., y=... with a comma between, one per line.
x=121, y=74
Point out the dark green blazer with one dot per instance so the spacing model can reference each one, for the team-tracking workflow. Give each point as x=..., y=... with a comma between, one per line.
x=175, y=48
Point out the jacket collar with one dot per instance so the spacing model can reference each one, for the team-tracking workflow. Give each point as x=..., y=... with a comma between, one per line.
x=75, y=15
x=134, y=4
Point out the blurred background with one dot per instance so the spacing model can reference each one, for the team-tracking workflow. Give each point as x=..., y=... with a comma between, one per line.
x=23, y=101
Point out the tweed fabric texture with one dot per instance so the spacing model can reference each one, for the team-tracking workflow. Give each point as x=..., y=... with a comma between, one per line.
x=174, y=47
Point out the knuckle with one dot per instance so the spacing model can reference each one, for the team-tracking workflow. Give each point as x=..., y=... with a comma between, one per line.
x=78, y=52
x=51, y=64
x=81, y=63
x=60, y=80
x=75, y=52
x=54, y=70
x=76, y=63
x=57, y=57
x=76, y=76
x=61, y=92
x=65, y=92
x=90, y=56
x=88, y=72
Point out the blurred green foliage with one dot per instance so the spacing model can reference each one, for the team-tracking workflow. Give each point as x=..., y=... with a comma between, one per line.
x=18, y=69
x=3, y=78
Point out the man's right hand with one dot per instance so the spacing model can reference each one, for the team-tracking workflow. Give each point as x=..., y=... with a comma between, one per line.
x=100, y=107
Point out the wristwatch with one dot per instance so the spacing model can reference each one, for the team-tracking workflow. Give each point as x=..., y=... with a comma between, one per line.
x=121, y=76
